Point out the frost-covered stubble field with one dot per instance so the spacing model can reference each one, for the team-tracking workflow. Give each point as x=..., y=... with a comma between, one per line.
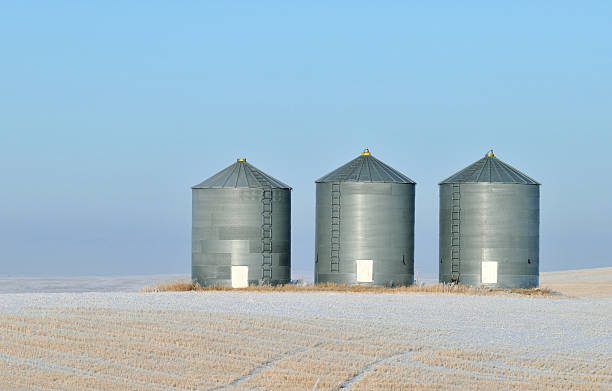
x=289, y=340
x=236, y=340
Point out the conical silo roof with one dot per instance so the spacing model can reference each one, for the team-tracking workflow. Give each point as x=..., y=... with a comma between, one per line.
x=241, y=174
x=490, y=169
x=366, y=168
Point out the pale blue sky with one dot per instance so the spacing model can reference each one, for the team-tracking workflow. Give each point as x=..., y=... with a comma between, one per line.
x=109, y=112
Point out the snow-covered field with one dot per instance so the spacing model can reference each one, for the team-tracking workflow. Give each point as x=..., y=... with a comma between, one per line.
x=109, y=340
x=239, y=340
x=82, y=284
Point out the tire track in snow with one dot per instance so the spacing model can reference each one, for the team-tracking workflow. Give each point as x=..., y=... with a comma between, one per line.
x=263, y=367
x=361, y=374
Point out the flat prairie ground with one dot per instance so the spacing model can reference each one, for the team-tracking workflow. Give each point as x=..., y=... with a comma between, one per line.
x=584, y=283
x=303, y=341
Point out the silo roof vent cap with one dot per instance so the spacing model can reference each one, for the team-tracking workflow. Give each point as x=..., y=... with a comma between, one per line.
x=490, y=153
x=241, y=159
x=366, y=152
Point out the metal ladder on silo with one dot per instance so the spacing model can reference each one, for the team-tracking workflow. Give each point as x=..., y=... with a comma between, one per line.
x=456, y=234
x=335, y=215
x=335, y=227
x=266, y=235
x=266, y=228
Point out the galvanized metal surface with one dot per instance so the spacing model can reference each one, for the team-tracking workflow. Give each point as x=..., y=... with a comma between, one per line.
x=241, y=174
x=246, y=222
x=365, y=168
x=489, y=221
x=490, y=169
x=366, y=220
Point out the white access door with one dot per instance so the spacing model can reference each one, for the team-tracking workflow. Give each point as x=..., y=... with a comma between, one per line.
x=489, y=272
x=364, y=270
x=240, y=276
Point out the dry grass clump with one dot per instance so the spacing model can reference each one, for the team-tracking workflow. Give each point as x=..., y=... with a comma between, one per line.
x=172, y=286
x=186, y=285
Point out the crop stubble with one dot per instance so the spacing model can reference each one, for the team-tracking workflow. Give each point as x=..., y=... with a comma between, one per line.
x=79, y=348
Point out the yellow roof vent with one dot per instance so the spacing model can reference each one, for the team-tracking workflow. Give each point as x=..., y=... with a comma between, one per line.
x=242, y=159
x=366, y=152
x=490, y=154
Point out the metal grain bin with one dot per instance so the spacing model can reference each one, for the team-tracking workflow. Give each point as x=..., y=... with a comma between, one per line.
x=489, y=226
x=365, y=225
x=241, y=228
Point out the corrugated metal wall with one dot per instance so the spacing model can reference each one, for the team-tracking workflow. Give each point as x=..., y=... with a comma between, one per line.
x=376, y=222
x=490, y=222
x=227, y=231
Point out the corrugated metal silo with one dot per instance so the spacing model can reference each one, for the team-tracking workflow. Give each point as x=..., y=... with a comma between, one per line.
x=365, y=225
x=489, y=226
x=241, y=228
